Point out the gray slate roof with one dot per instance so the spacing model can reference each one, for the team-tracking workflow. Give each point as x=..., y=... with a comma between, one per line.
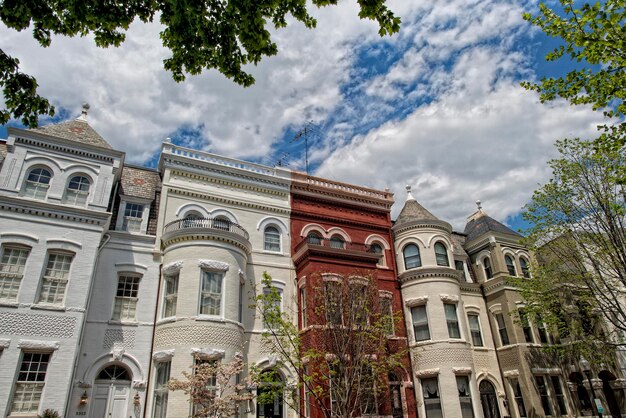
x=413, y=211
x=139, y=182
x=77, y=130
x=483, y=224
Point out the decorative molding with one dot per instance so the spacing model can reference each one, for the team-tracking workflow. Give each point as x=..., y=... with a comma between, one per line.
x=139, y=384
x=545, y=370
x=208, y=353
x=64, y=243
x=213, y=265
x=163, y=355
x=55, y=326
x=427, y=373
x=410, y=303
x=38, y=345
x=430, y=273
x=511, y=373
x=242, y=277
x=449, y=298
x=119, y=338
x=462, y=370
x=12, y=236
x=4, y=343
x=117, y=353
x=172, y=268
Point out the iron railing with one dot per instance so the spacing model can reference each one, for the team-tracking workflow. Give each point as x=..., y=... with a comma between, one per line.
x=206, y=223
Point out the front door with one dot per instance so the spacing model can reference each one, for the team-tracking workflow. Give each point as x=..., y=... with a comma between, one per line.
x=489, y=400
x=110, y=393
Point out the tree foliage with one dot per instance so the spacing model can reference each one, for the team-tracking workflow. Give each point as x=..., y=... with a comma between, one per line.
x=212, y=387
x=579, y=239
x=208, y=34
x=343, y=353
x=594, y=36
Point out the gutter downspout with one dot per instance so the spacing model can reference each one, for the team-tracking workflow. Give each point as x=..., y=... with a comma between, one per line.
x=150, y=368
x=104, y=242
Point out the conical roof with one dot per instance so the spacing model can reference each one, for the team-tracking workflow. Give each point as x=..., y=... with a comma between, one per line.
x=480, y=223
x=77, y=130
x=413, y=211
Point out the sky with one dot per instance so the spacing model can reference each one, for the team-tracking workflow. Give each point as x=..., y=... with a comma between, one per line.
x=437, y=106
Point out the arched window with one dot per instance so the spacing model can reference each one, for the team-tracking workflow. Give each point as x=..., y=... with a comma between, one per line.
x=271, y=239
x=114, y=372
x=221, y=222
x=193, y=219
x=441, y=254
x=77, y=191
x=411, y=256
x=510, y=265
x=37, y=183
x=336, y=241
x=376, y=248
x=525, y=270
x=487, y=266
x=314, y=238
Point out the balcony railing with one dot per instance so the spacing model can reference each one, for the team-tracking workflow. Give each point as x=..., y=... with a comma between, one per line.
x=218, y=224
x=334, y=244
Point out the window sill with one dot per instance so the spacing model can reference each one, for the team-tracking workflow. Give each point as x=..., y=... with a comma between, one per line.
x=48, y=307
x=481, y=348
x=118, y=322
x=166, y=320
x=9, y=304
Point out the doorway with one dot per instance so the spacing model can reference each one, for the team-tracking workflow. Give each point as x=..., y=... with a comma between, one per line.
x=111, y=392
x=489, y=400
x=269, y=395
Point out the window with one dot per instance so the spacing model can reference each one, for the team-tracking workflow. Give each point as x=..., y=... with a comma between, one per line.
x=30, y=382
x=126, y=298
x=211, y=295
x=77, y=191
x=504, y=336
x=336, y=241
x=543, y=393
x=272, y=239
x=209, y=366
x=528, y=331
x=303, y=312
x=12, y=270
x=55, y=278
x=193, y=219
x=543, y=332
x=37, y=183
x=307, y=393
x=432, y=398
x=170, y=295
x=460, y=266
x=221, y=222
x=441, y=254
x=114, y=372
x=133, y=216
x=273, y=308
x=162, y=372
x=525, y=270
x=395, y=389
x=314, y=238
x=386, y=313
x=333, y=299
x=367, y=399
x=474, y=326
x=452, y=320
x=465, y=398
x=376, y=248
x=411, y=257
x=558, y=394
x=420, y=323
x=510, y=265
x=519, y=399
x=487, y=267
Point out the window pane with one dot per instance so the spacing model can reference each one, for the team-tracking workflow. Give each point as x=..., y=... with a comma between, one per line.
x=528, y=332
x=487, y=265
x=543, y=393
x=420, y=323
x=465, y=398
x=30, y=382
x=386, y=312
x=11, y=271
x=337, y=242
x=510, y=265
x=412, y=256
x=160, y=390
x=170, y=296
x=558, y=393
x=314, y=239
x=474, y=325
x=211, y=298
x=272, y=239
x=55, y=278
x=504, y=336
x=432, y=399
x=441, y=254
x=452, y=320
x=519, y=399
x=37, y=183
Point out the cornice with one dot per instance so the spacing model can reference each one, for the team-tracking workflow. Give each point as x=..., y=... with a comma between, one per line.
x=422, y=224
x=231, y=183
x=184, y=236
x=471, y=288
x=429, y=273
x=496, y=285
x=228, y=201
x=338, y=221
x=325, y=194
x=485, y=241
x=53, y=211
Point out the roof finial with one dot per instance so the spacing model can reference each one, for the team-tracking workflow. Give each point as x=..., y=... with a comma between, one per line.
x=479, y=205
x=83, y=113
x=409, y=196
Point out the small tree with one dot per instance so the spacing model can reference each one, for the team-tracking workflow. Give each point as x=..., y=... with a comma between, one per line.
x=343, y=359
x=578, y=236
x=211, y=388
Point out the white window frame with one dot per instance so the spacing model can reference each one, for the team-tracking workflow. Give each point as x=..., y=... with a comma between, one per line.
x=12, y=274
x=28, y=387
x=120, y=224
x=160, y=388
x=449, y=320
x=439, y=397
x=280, y=239
x=171, y=298
x=126, y=302
x=47, y=280
x=480, y=331
x=280, y=290
x=497, y=315
x=413, y=323
x=222, y=275
x=36, y=187
x=75, y=196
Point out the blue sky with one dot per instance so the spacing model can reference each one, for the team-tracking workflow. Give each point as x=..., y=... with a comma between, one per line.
x=437, y=106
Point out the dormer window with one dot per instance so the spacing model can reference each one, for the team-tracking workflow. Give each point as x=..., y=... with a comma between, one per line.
x=37, y=183
x=77, y=191
x=133, y=217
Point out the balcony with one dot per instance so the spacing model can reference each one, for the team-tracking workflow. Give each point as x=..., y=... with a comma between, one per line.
x=217, y=229
x=323, y=249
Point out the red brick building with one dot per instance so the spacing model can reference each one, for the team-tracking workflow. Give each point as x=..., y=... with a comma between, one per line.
x=342, y=231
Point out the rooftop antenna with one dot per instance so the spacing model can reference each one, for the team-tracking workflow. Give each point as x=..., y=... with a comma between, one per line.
x=309, y=128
